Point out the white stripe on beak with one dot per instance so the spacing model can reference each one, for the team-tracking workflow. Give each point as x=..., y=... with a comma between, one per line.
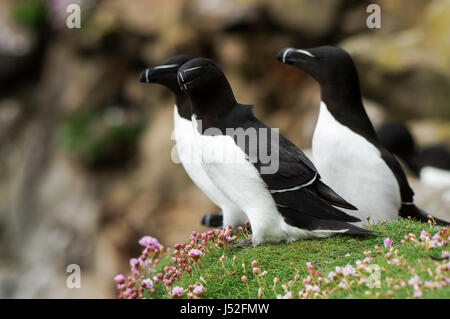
x=166, y=66
x=192, y=69
x=305, y=52
x=285, y=53
x=146, y=75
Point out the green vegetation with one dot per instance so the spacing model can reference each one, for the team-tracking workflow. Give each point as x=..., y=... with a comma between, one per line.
x=100, y=137
x=29, y=13
x=220, y=270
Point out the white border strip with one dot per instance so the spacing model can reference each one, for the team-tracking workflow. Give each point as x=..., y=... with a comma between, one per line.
x=166, y=66
x=295, y=187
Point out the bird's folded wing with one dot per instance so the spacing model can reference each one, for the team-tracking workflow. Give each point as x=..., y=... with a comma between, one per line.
x=306, y=202
x=407, y=194
x=293, y=167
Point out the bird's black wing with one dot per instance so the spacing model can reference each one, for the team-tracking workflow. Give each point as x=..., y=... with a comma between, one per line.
x=406, y=193
x=295, y=185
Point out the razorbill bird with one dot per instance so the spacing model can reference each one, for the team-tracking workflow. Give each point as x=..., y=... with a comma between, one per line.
x=345, y=147
x=431, y=163
x=166, y=75
x=283, y=195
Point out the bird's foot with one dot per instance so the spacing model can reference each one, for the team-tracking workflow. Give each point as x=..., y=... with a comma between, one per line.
x=212, y=220
x=247, y=241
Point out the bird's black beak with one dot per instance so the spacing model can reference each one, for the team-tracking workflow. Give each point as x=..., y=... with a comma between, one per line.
x=292, y=56
x=147, y=75
x=151, y=74
x=186, y=76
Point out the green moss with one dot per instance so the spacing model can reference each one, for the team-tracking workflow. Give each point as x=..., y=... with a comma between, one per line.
x=288, y=259
x=96, y=141
x=29, y=13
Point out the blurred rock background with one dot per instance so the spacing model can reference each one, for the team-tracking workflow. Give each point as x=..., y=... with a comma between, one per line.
x=85, y=167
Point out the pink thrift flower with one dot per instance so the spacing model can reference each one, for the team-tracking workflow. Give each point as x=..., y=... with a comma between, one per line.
x=133, y=263
x=288, y=295
x=198, y=290
x=177, y=292
x=312, y=288
x=195, y=253
x=147, y=283
x=388, y=242
x=149, y=241
x=120, y=279
x=147, y=264
x=414, y=281
x=127, y=293
x=310, y=268
x=424, y=234
x=348, y=271
x=332, y=275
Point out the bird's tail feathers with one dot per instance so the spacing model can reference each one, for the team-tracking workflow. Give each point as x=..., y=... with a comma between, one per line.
x=330, y=196
x=408, y=210
x=355, y=230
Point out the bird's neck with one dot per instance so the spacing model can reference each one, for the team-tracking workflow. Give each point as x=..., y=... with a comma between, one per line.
x=213, y=105
x=344, y=102
x=183, y=105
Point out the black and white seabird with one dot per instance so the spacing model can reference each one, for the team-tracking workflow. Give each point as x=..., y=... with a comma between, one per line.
x=287, y=204
x=345, y=147
x=166, y=75
x=430, y=163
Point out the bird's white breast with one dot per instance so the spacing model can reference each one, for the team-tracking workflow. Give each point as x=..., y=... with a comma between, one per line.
x=191, y=159
x=353, y=167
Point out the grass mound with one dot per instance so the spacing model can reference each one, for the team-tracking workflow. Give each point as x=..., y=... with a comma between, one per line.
x=407, y=259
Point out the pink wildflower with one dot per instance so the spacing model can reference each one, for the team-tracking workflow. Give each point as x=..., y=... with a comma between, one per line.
x=150, y=242
x=147, y=283
x=195, y=253
x=198, y=290
x=388, y=242
x=133, y=263
x=177, y=292
x=120, y=279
